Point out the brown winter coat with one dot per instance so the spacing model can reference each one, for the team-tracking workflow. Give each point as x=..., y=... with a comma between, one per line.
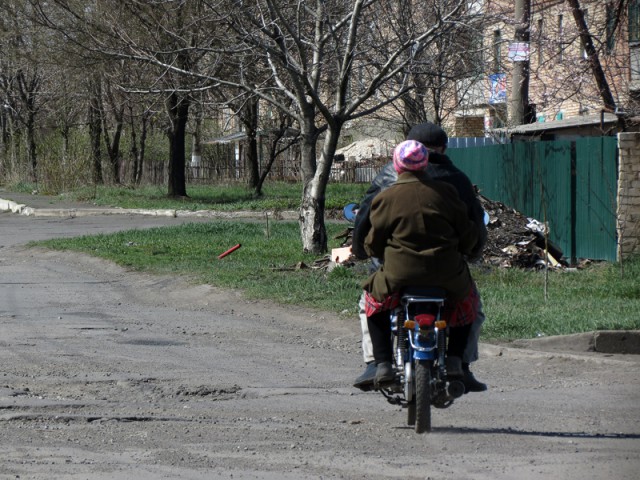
x=421, y=231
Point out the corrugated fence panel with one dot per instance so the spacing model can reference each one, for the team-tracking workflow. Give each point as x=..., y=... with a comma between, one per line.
x=552, y=185
x=570, y=185
x=596, y=190
x=535, y=181
x=482, y=165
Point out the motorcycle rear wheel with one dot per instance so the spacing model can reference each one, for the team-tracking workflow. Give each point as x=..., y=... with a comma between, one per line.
x=423, y=396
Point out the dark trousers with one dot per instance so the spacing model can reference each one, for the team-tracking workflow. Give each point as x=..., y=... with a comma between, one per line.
x=380, y=332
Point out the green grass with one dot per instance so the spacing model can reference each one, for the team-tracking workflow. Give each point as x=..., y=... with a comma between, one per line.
x=604, y=296
x=599, y=297
x=231, y=197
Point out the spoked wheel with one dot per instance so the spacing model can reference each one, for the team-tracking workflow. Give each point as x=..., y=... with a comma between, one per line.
x=422, y=403
x=410, y=393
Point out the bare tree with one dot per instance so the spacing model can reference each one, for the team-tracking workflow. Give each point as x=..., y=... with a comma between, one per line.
x=442, y=74
x=312, y=50
x=308, y=51
x=21, y=77
x=170, y=37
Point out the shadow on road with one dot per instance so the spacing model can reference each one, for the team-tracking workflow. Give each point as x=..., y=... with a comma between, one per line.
x=512, y=431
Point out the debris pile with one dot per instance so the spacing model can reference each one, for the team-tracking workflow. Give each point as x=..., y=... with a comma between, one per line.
x=513, y=241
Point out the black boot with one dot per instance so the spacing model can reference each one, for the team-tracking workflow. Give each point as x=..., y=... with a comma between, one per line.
x=470, y=382
x=384, y=373
x=365, y=381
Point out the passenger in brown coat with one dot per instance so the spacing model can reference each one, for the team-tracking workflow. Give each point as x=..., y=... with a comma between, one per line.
x=421, y=230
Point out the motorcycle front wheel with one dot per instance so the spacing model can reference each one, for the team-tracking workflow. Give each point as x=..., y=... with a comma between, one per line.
x=423, y=396
x=411, y=413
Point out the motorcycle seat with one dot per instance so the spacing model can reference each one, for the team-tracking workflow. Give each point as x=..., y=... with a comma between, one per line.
x=428, y=292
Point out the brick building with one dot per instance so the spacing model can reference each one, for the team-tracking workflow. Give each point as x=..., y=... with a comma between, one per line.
x=562, y=84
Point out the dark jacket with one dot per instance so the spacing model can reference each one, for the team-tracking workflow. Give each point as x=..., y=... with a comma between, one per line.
x=421, y=232
x=440, y=168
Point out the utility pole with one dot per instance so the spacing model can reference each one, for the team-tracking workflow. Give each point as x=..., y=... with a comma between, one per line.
x=520, y=76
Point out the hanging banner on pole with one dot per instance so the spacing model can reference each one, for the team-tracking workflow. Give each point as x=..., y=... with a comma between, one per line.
x=519, y=52
x=497, y=88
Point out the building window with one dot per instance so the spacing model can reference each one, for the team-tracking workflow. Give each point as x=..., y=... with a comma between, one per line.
x=540, y=41
x=497, y=53
x=634, y=61
x=634, y=43
x=634, y=21
x=635, y=68
x=610, y=41
x=560, y=38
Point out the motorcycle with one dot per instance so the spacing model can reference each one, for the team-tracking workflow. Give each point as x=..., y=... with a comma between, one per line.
x=419, y=336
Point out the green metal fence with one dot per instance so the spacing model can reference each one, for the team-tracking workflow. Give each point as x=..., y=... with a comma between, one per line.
x=570, y=184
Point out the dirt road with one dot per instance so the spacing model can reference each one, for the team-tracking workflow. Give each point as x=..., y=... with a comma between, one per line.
x=111, y=374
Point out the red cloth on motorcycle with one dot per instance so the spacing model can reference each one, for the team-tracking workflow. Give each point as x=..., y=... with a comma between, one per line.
x=464, y=312
x=457, y=314
x=373, y=306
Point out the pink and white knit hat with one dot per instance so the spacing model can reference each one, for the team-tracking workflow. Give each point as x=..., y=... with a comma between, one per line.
x=410, y=156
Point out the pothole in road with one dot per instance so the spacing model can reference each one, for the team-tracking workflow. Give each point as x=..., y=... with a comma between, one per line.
x=153, y=342
x=162, y=389
x=219, y=393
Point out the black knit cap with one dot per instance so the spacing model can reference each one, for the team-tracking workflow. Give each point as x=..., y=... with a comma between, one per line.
x=429, y=134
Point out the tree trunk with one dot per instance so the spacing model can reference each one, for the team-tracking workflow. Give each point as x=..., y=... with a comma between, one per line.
x=95, y=130
x=312, y=227
x=143, y=144
x=138, y=146
x=113, y=148
x=28, y=89
x=4, y=123
x=592, y=55
x=178, y=110
x=31, y=145
x=249, y=118
x=113, y=144
x=197, y=112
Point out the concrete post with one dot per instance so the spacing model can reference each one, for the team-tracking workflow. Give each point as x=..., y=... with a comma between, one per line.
x=628, y=210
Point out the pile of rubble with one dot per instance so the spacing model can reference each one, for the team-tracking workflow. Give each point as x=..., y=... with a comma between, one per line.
x=513, y=241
